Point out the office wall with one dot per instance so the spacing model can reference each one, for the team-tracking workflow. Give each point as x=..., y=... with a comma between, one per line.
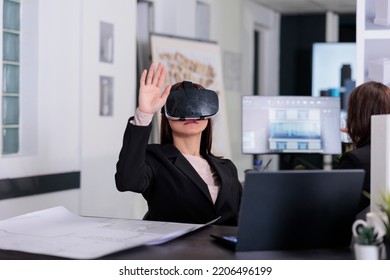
x=296, y=51
x=55, y=68
x=72, y=136
x=56, y=90
x=101, y=136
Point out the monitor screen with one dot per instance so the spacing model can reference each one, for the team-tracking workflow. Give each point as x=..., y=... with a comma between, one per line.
x=290, y=124
x=333, y=69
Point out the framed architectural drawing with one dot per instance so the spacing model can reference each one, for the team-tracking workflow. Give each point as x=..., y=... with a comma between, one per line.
x=198, y=62
x=106, y=48
x=106, y=95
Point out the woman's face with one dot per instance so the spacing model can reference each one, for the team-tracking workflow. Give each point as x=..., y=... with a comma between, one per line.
x=187, y=128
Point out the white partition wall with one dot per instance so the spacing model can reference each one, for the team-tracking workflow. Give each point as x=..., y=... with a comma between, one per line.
x=102, y=128
x=78, y=127
x=380, y=158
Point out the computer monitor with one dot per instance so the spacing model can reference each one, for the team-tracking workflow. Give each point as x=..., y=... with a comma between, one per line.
x=333, y=69
x=290, y=124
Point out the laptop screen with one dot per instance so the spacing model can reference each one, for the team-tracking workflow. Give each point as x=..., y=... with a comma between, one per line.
x=305, y=209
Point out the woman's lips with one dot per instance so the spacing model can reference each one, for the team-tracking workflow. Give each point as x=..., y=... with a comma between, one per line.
x=190, y=122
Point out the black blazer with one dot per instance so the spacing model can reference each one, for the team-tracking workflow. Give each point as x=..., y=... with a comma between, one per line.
x=173, y=189
x=359, y=158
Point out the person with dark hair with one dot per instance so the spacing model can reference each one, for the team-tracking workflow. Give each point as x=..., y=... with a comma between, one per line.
x=370, y=98
x=181, y=180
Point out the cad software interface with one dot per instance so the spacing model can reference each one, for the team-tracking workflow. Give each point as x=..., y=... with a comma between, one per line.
x=290, y=124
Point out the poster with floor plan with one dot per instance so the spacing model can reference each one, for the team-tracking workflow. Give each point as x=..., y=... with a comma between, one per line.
x=199, y=62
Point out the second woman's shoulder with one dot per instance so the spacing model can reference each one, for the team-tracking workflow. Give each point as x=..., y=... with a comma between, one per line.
x=355, y=158
x=361, y=152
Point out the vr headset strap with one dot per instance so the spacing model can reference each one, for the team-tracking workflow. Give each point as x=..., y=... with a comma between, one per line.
x=190, y=90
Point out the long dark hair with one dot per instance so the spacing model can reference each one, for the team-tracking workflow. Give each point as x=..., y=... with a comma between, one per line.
x=166, y=130
x=370, y=98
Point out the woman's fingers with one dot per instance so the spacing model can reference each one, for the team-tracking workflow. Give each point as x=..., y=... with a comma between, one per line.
x=166, y=92
x=150, y=74
x=151, y=99
x=143, y=77
x=157, y=74
x=161, y=78
x=154, y=76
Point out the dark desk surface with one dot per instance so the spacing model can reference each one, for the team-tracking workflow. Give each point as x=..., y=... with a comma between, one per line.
x=199, y=246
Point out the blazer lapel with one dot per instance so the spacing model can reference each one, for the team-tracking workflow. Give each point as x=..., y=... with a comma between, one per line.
x=223, y=174
x=182, y=164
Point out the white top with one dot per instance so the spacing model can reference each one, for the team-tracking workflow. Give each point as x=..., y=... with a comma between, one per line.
x=141, y=118
x=208, y=175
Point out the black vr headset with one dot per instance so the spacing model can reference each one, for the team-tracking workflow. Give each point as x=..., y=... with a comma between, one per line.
x=190, y=103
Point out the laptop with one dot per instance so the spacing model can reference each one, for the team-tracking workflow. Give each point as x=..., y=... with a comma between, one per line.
x=295, y=210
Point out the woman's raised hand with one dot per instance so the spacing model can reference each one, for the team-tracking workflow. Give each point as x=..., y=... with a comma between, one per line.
x=151, y=97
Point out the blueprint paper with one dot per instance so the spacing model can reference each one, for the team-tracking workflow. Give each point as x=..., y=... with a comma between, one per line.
x=58, y=232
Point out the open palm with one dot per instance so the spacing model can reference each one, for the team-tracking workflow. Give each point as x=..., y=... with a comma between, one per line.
x=151, y=97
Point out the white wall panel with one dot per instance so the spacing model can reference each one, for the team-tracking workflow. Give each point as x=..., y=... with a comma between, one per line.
x=51, y=89
x=56, y=68
x=380, y=159
x=101, y=136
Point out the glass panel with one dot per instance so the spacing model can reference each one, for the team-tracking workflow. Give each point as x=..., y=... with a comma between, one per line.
x=10, y=78
x=11, y=18
x=10, y=141
x=10, y=46
x=10, y=110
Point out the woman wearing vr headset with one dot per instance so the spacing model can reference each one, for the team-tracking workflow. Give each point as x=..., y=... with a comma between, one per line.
x=181, y=180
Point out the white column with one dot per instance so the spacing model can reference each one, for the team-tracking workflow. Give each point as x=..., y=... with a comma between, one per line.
x=380, y=158
x=332, y=27
x=331, y=35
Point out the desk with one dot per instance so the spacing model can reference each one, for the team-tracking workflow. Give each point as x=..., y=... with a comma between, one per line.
x=199, y=245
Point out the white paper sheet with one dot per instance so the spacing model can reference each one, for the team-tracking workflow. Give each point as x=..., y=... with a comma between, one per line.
x=58, y=232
